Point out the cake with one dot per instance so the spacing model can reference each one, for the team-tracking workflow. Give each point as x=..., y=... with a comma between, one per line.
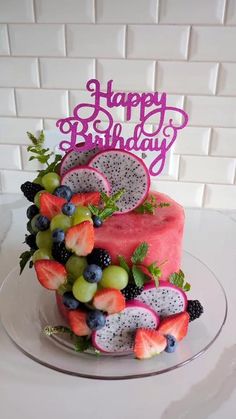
x=110, y=249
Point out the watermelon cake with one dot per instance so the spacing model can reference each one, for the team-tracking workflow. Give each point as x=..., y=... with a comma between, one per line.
x=110, y=249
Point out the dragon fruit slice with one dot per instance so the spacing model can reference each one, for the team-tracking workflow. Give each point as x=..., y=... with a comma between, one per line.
x=117, y=336
x=73, y=159
x=167, y=299
x=85, y=179
x=124, y=171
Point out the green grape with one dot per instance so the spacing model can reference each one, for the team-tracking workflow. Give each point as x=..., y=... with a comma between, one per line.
x=114, y=277
x=44, y=239
x=76, y=265
x=33, y=221
x=38, y=180
x=41, y=254
x=81, y=214
x=51, y=181
x=83, y=290
x=36, y=198
x=29, y=227
x=60, y=221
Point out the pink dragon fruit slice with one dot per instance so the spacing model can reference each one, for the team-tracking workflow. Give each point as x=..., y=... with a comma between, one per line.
x=117, y=336
x=85, y=179
x=167, y=299
x=124, y=171
x=74, y=159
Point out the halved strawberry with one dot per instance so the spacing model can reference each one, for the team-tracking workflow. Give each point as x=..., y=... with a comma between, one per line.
x=110, y=300
x=80, y=238
x=50, y=205
x=175, y=325
x=51, y=274
x=148, y=343
x=86, y=198
x=77, y=322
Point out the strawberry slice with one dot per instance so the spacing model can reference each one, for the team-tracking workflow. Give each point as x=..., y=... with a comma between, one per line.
x=87, y=198
x=80, y=238
x=148, y=343
x=51, y=274
x=110, y=300
x=50, y=205
x=77, y=322
x=175, y=325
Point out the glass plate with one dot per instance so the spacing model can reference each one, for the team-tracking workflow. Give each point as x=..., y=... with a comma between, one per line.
x=26, y=308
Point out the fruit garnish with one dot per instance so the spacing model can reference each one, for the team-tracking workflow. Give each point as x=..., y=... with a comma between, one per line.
x=30, y=189
x=77, y=322
x=97, y=221
x=44, y=239
x=70, y=301
x=95, y=320
x=76, y=265
x=92, y=273
x=131, y=291
x=99, y=257
x=32, y=211
x=150, y=205
x=108, y=206
x=68, y=209
x=42, y=223
x=83, y=290
x=50, y=205
x=175, y=325
x=81, y=214
x=110, y=300
x=148, y=343
x=81, y=343
x=63, y=192
x=51, y=181
x=194, y=309
x=60, y=252
x=171, y=344
x=80, y=238
x=41, y=254
x=178, y=279
x=85, y=179
x=60, y=221
x=51, y=274
x=30, y=240
x=92, y=198
x=114, y=277
x=25, y=258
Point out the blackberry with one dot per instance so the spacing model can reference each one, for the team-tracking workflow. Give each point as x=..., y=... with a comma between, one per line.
x=194, y=309
x=31, y=241
x=131, y=291
x=99, y=257
x=60, y=252
x=30, y=189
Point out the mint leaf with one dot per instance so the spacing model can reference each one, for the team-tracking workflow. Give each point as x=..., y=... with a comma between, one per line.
x=81, y=344
x=94, y=210
x=56, y=330
x=178, y=279
x=149, y=206
x=164, y=204
x=140, y=253
x=156, y=272
x=138, y=275
x=109, y=205
x=24, y=259
x=123, y=263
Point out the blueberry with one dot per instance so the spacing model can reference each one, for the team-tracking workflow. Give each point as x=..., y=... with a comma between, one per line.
x=42, y=223
x=97, y=221
x=63, y=192
x=32, y=211
x=29, y=227
x=92, y=273
x=58, y=235
x=171, y=343
x=68, y=209
x=95, y=320
x=69, y=301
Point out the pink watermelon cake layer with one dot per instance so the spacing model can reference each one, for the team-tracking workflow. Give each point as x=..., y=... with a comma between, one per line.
x=163, y=231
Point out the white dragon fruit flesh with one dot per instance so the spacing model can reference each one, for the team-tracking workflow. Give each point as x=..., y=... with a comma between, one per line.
x=124, y=170
x=85, y=179
x=118, y=334
x=167, y=299
x=76, y=158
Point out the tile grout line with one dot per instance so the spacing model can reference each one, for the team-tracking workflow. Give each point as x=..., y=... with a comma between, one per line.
x=225, y=10
x=94, y=11
x=209, y=148
x=65, y=39
x=217, y=80
x=34, y=11
x=158, y=11
x=126, y=42
x=9, y=41
x=189, y=43
x=203, y=196
x=39, y=73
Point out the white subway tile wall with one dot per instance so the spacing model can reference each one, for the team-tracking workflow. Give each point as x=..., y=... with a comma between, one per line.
x=50, y=48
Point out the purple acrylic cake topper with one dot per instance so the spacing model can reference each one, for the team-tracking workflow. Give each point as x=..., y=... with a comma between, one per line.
x=92, y=124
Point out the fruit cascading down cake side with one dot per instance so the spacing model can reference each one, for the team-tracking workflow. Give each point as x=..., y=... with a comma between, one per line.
x=110, y=250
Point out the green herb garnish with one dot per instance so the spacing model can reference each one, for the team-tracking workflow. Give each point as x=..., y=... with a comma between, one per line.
x=178, y=279
x=124, y=264
x=108, y=205
x=25, y=257
x=140, y=253
x=155, y=271
x=138, y=276
x=149, y=206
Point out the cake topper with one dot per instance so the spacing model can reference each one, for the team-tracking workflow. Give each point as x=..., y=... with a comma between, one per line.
x=92, y=124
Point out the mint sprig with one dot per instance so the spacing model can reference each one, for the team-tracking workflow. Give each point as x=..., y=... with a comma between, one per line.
x=149, y=206
x=43, y=155
x=138, y=276
x=140, y=253
x=123, y=263
x=108, y=205
x=178, y=279
x=155, y=271
x=81, y=343
x=25, y=258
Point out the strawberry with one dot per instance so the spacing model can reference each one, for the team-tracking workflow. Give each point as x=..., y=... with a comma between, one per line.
x=80, y=238
x=51, y=274
x=77, y=322
x=148, y=343
x=50, y=205
x=175, y=325
x=110, y=300
x=87, y=198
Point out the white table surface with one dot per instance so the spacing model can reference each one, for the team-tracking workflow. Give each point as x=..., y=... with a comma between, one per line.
x=204, y=388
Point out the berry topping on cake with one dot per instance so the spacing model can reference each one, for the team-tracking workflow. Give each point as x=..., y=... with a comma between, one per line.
x=50, y=273
x=194, y=309
x=92, y=273
x=30, y=189
x=85, y=179
x=132, y=291
x=32, y=211
x=171, y=344
x=68, y=209
x=78, y=323
x=80, y=238
x=92, y=198
x=99, y=257
x=95, y=320
x=70, y=301
x=60, y=252
x=175, y=325
x=63, y=192
x=109, y=300
x=148, y=343
x=50, y=205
